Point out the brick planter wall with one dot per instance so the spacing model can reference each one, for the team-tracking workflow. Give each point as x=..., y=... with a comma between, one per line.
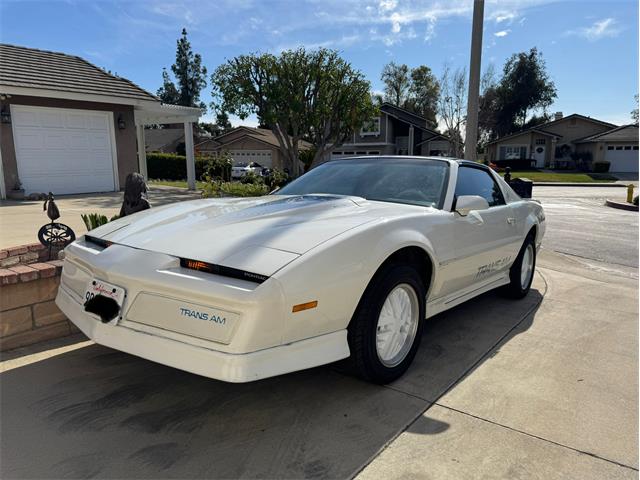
x=28, y=288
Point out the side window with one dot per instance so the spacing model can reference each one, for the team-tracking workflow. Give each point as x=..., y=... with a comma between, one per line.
x=474, y=181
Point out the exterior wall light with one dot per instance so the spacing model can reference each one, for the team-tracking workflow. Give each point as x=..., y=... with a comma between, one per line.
x=5, y=116
x=121, y=124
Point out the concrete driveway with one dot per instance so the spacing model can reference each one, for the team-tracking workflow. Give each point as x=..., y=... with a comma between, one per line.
x=545, y=387
x=20, y=221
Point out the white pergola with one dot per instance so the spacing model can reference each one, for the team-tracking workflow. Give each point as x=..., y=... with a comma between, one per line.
x=154, y=114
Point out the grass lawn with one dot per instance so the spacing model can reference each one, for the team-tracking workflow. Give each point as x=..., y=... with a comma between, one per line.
x=568, y=177
x=174, y=183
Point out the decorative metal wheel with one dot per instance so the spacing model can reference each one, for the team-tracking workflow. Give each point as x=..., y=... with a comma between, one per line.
x=397, y=325
x=56, y=235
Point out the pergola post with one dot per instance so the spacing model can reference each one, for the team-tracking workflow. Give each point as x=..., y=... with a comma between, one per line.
x=411, y=140
x=142, y=151
x=191, y=157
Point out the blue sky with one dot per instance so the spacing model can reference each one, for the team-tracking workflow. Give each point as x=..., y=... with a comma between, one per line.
x=591, y=47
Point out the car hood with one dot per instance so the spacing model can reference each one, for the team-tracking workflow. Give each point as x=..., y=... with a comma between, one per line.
x=260, y=235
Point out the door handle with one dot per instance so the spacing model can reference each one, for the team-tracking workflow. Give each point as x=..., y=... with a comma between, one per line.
x=511, y=221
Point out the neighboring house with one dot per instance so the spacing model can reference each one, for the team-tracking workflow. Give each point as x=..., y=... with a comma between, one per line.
x=247, y=144
x=67, y=126
x=395, y=131
x=618, y=146
x=570, y=142
x=168, y=140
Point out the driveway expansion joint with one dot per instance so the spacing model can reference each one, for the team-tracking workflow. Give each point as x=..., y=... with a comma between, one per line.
x=577, y=450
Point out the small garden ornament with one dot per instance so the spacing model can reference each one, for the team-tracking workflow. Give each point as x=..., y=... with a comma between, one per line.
x=135, y=195
x=54, y=235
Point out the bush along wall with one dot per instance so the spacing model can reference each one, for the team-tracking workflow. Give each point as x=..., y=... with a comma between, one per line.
x=169, y=166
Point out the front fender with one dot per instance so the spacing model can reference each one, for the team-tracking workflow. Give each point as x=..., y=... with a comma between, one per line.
x=336, y=274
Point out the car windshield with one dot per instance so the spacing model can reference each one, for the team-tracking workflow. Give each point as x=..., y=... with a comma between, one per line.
x=241, y=165
x=398, y=180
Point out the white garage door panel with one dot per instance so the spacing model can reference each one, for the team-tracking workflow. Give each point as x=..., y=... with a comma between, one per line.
x=623, y=160
x=63, y=151
x=262, y=157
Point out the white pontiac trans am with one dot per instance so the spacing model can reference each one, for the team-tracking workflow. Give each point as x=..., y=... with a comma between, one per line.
x=346, y=262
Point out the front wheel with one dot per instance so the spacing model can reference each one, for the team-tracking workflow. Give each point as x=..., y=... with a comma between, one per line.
x=384, y=333
x=521, y=273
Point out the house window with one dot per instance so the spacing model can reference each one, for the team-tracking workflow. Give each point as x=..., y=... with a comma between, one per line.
x=635, y=147
x=610, y=147
x=627, y=147
x=513, y=152
x=541, y=141
x=618, y=148
x=372, y=127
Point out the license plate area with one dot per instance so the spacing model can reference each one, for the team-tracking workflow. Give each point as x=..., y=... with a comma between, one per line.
x=108, y=308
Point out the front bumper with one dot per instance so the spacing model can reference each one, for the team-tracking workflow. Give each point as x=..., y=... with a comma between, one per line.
x=208, y=362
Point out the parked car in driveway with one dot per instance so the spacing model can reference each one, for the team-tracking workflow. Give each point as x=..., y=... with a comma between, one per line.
x=242, y=169
x=346, y=262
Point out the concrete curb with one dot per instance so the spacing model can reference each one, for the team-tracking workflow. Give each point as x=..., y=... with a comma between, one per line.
x=621, y=205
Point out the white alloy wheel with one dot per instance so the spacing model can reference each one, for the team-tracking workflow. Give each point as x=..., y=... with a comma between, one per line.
x=397, y=325
x=526, y=268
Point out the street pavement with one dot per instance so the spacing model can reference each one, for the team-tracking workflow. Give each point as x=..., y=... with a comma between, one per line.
x=545, y=387
x=579, y=224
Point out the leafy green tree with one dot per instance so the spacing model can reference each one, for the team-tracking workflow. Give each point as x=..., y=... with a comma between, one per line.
x=190, y=77
x=423, y=94
x=223, y=122
x=299, y=94
x=414, y=89
x=634, y=112
x=524, y=88
x=396, y=83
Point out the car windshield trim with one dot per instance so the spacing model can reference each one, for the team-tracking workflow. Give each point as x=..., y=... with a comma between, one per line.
x=366, y=185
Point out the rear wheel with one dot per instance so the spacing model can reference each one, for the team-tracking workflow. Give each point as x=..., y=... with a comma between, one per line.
x=384, y=333
x=521, y=273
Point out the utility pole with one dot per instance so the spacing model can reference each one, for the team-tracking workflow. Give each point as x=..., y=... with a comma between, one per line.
x=471, y=136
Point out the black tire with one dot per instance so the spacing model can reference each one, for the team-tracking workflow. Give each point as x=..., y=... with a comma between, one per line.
x=515, y=289
x=364, y=361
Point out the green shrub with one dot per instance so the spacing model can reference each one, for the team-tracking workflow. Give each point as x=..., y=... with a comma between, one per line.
x=276, y=178
x=217, y=166
x=216, y=188
x=635, y=200
x=169, y=166
x=252, y=178
x=601, y=167
x=95, y=220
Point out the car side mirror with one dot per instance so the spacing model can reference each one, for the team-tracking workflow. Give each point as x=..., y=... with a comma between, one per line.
x=468, y=203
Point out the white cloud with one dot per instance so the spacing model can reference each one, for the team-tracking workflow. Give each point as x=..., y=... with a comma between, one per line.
x=503, y=16
x=502, y=33
x=387, y=5
x=607, y=27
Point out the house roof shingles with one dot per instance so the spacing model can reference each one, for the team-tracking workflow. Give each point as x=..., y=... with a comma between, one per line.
x=625, y=133
x=41, y=69
x=261, y=134
x=541, y=128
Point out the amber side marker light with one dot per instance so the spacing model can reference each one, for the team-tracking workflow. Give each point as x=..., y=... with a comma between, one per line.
x=304, y=306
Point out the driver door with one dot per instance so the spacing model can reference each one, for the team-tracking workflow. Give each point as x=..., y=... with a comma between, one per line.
x=482, y=239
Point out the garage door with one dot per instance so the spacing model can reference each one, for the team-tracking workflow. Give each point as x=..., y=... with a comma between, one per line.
x=262, y=157
x=63, y=151
x=623, y=158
